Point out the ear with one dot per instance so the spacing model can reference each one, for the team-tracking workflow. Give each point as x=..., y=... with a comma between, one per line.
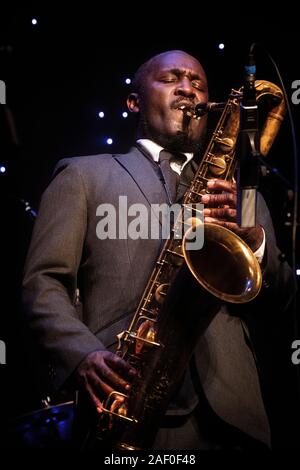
x=133, y=103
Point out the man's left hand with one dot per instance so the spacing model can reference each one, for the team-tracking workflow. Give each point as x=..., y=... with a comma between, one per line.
x=221, y=209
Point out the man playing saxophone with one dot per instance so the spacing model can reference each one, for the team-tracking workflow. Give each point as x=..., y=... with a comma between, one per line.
x=218, y=402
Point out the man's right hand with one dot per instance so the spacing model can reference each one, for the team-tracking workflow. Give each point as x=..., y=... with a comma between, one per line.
x=102, y=372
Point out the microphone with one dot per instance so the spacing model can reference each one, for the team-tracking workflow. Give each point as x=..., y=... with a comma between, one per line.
x=248, y=150
x=203, y=108
x=200, y=109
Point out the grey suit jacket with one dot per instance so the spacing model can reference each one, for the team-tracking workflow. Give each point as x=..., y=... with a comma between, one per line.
x=65, y=252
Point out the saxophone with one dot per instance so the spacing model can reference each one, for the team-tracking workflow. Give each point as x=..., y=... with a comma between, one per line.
x=166, y=325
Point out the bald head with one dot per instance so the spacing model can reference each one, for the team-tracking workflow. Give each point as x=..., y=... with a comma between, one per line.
x=160, y=87
x=147, y=67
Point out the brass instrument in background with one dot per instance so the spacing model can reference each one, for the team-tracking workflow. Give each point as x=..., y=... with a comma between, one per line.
x=166, y=325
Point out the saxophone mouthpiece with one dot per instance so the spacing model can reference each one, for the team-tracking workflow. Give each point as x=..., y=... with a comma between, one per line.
x=187, y=110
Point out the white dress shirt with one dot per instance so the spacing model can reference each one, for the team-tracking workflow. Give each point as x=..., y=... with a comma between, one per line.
x=154, y=149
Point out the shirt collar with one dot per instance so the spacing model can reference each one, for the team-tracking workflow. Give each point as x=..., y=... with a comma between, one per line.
x=153, y=149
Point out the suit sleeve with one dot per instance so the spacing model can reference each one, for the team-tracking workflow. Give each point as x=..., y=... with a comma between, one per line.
x=278, y=286
x=277, y=274
x=50, y=276
x=270, y=324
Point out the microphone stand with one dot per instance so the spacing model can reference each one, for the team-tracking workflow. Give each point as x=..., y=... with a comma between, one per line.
x=266, y=170
x=248, y=146
x=11, y=150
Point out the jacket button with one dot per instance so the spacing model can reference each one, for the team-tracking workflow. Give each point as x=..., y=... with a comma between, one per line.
x=51, y=371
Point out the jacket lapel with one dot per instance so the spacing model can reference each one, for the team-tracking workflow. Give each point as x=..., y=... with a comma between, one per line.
x=143, y=172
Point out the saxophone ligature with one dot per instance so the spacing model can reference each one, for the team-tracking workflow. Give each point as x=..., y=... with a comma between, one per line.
x=186, y=287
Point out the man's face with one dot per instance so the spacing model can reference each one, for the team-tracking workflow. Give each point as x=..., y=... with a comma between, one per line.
x=174, y=79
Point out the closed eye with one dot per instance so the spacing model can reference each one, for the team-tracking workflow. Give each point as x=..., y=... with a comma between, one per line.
x=199, y=86
x=168, y=78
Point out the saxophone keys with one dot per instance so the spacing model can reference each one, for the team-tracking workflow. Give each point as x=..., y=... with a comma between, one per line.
x=114, y=407
x=176, y=258
x=161, y=292
x=118, y=406
x=147, y=332
x=194, y=221
x=217, y=166
x=226, y=144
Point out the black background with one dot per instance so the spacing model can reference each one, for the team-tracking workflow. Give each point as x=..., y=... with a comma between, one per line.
x=71, y=65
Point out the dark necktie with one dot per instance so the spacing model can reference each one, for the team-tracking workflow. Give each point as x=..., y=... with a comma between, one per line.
x=186, y=177
x=171, y=178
